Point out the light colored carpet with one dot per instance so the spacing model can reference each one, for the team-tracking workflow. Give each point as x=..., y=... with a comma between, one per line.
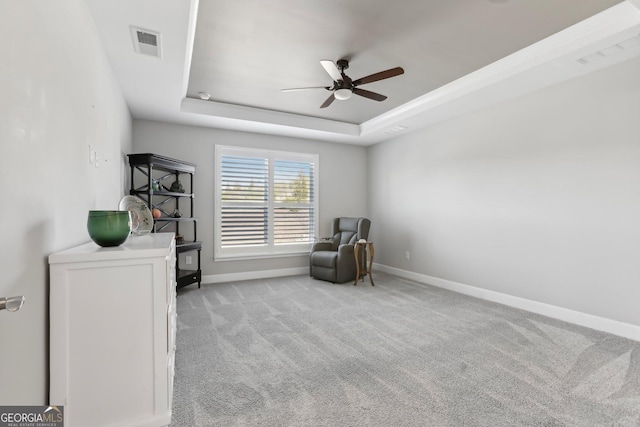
x=299, y=352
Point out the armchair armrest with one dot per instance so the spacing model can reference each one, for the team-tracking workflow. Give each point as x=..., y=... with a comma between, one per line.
x=345, y=250
x=321, y=246
x=345, y=263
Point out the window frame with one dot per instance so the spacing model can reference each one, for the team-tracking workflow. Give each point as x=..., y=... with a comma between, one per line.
x=271, y=249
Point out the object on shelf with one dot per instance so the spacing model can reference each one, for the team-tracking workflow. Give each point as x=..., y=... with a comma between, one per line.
x=177, y=187
x=156, y=213
x=155, y=185
x=179, y=239
x=141, y=218
x=109, y=228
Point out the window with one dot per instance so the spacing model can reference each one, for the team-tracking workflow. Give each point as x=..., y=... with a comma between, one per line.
x=265, y=202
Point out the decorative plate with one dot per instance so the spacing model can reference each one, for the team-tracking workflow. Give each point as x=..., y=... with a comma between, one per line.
x=141, y=218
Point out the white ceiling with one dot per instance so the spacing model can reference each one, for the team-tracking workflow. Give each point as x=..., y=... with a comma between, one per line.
x=458, y=56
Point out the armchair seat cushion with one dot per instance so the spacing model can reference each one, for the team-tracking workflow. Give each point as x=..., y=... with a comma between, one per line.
x=324, y=258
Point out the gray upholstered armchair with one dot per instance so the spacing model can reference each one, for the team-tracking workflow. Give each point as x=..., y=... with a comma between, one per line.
x=334, y=260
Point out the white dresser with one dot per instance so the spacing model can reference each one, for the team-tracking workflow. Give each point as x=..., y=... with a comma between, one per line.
x=112, y=332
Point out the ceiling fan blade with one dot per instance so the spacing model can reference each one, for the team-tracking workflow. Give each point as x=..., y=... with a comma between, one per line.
x=328, y=101
x=293, y=89
x=369, y=94
x=379, y=76
x=332, y=69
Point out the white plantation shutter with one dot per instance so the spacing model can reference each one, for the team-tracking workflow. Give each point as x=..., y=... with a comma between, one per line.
x=245, y=191
x=293, y=201
x=266, y=202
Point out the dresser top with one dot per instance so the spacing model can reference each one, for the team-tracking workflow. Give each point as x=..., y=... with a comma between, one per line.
x=147, y=246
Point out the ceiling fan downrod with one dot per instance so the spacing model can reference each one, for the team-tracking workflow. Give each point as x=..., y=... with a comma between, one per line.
x=343, y=88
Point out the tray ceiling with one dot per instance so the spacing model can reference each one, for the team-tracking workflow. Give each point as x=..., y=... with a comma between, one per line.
x=244, y=53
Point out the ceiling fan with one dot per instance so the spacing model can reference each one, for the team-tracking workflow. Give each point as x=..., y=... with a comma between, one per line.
x=343, y=87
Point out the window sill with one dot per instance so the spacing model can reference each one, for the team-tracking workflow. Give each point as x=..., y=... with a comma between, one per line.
x=259, y=256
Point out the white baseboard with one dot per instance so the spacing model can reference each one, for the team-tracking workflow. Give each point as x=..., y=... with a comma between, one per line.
x=251, y=275
x=615, y=327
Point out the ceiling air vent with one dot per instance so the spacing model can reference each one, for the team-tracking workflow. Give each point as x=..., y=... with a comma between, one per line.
x=632, y=43
x=395, y=129
x=146, y=42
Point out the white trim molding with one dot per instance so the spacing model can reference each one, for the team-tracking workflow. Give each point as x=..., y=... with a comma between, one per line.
x=615, y=327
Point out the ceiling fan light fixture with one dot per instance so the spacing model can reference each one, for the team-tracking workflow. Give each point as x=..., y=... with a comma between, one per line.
x=342, y=94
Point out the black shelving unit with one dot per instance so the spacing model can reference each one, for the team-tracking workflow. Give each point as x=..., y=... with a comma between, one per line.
x=152, y=177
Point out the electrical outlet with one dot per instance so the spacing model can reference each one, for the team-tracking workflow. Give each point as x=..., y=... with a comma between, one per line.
x=407, y=255
x=188, y=260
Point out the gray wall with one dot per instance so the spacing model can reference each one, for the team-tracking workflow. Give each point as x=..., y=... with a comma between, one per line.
x=343, y=173
x=537, y=197
x=58, y=96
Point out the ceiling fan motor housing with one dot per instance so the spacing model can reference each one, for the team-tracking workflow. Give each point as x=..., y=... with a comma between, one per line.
x=342, y=64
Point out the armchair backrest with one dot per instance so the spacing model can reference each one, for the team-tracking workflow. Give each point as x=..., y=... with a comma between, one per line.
x=349, y=230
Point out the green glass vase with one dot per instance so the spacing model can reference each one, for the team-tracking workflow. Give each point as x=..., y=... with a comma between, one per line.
x=109, y=228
